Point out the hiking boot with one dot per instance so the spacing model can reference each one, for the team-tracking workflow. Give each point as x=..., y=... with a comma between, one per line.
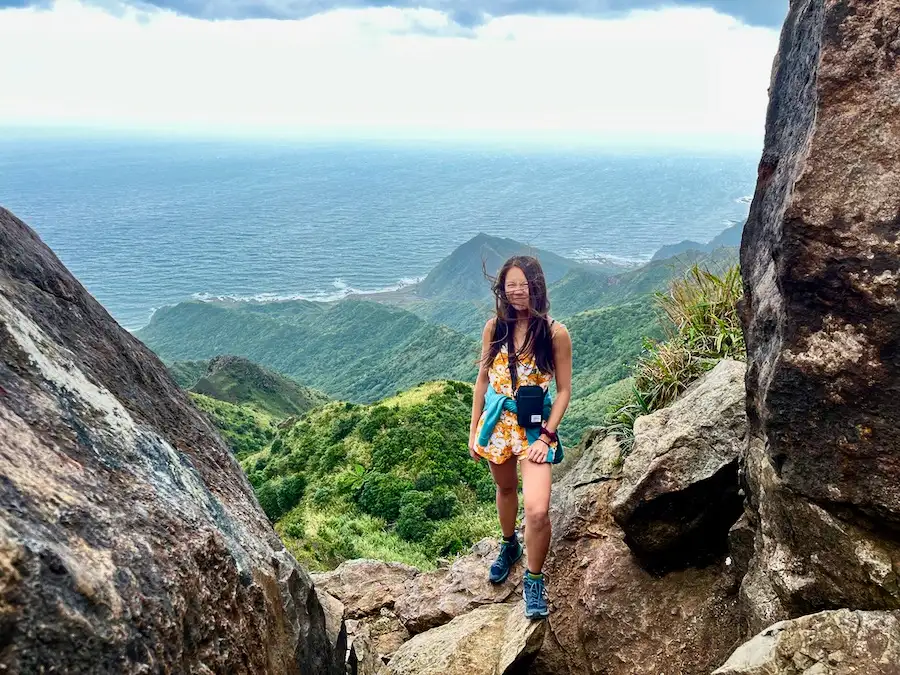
x=510, y=552
x=535, y=595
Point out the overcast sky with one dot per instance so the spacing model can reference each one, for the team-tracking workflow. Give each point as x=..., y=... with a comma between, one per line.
x=605, y=69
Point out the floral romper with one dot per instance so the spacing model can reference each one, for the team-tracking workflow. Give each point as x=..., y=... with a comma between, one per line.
x=508, y=438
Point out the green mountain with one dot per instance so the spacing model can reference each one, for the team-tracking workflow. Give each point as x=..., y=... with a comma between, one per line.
x=391, y=481
x=730, y=238
x=237, y=380
x=582, y=290
x=607, y=341
x=460, y=276
x=352, y=350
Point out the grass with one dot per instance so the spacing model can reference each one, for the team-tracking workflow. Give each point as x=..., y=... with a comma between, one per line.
x=702, y=327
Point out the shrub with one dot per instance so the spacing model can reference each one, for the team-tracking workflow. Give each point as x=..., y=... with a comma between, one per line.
x=457, y=535
x=442, y=503
x=267, y=494
x=381, y=494
x=412, y=523
x=703, y=327
x=290, y=492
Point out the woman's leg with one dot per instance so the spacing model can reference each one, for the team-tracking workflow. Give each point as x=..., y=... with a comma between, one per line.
x=507, y=481
x=536, y=489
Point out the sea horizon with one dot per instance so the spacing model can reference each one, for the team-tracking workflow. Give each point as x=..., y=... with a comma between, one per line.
x=149, y=222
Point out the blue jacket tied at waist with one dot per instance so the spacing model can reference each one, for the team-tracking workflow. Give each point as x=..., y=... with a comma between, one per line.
x=495, y=403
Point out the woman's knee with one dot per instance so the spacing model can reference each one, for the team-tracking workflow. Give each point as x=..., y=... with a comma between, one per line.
x=506, y=490
x=537, y=515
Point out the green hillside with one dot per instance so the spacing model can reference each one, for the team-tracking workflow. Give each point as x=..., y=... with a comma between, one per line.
x=582, y=289
x=186, y=373
x=245, y=429
x=352, y=350
x=240, y=381
x=466, y=316
x=607, y=341
x=392, y=480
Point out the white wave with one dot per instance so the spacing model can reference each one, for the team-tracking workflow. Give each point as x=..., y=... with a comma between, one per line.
x=343, y=290
x=744, y=200
x=586, y=255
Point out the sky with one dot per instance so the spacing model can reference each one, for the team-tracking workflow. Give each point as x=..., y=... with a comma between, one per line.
x=693, y=71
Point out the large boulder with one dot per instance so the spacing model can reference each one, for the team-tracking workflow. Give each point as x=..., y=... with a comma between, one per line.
x=130, y=540
x=434, y=598
x=609, y=614
x=679, y=494
x=366, y=586
x=820, y=258
x=490, y=640
x=840, y=642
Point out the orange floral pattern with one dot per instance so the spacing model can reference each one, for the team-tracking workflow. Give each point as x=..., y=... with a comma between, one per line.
x=508, y=438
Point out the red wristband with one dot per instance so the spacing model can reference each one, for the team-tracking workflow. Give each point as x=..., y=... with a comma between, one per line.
x=551, y=434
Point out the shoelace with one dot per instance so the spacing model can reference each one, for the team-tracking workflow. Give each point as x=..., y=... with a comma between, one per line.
x=534, y=590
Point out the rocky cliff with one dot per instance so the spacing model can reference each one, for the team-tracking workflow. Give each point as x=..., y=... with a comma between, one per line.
x=821, y=263
x=130, y=540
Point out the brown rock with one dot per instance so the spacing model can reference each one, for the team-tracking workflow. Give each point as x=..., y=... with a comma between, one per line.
x=374, y=641
x=573, y=511
x=821, y=263
x=362, y=656
x=608, y=614
x=335, y=628
x=679, y=494
x=130, y=540
x=490, y=640
x=434, y=598
x=365, y=586
x=838, y=642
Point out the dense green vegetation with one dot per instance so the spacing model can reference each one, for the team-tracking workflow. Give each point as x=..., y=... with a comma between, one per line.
x=186, y=373
x=245, y=429
x=352, y=350
x=392, y=480
x=702, y=327
x=465, y=316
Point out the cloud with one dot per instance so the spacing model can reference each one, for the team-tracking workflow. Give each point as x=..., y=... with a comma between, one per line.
x=466, y=13
x=648, y=78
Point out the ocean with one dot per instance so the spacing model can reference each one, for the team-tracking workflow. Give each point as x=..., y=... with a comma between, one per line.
x=146, y=222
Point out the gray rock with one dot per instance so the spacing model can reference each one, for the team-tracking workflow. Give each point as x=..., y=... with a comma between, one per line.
x=840, y=642
x=130, y=539
x=490, y=640
x=679, y=494
x=807, y=557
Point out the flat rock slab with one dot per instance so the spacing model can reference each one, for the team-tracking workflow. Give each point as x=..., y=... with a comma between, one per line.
x=838, y=642
x=490, y=640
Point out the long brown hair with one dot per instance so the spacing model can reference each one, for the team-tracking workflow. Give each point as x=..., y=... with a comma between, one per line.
x=538, y=340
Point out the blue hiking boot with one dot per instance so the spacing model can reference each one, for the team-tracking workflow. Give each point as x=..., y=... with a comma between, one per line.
x=535, y=595
x=510, y=552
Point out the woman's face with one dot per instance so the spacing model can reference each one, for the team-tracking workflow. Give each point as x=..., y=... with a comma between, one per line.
x=516, y=288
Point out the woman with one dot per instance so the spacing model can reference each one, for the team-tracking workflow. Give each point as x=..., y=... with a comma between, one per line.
x=541, y=349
